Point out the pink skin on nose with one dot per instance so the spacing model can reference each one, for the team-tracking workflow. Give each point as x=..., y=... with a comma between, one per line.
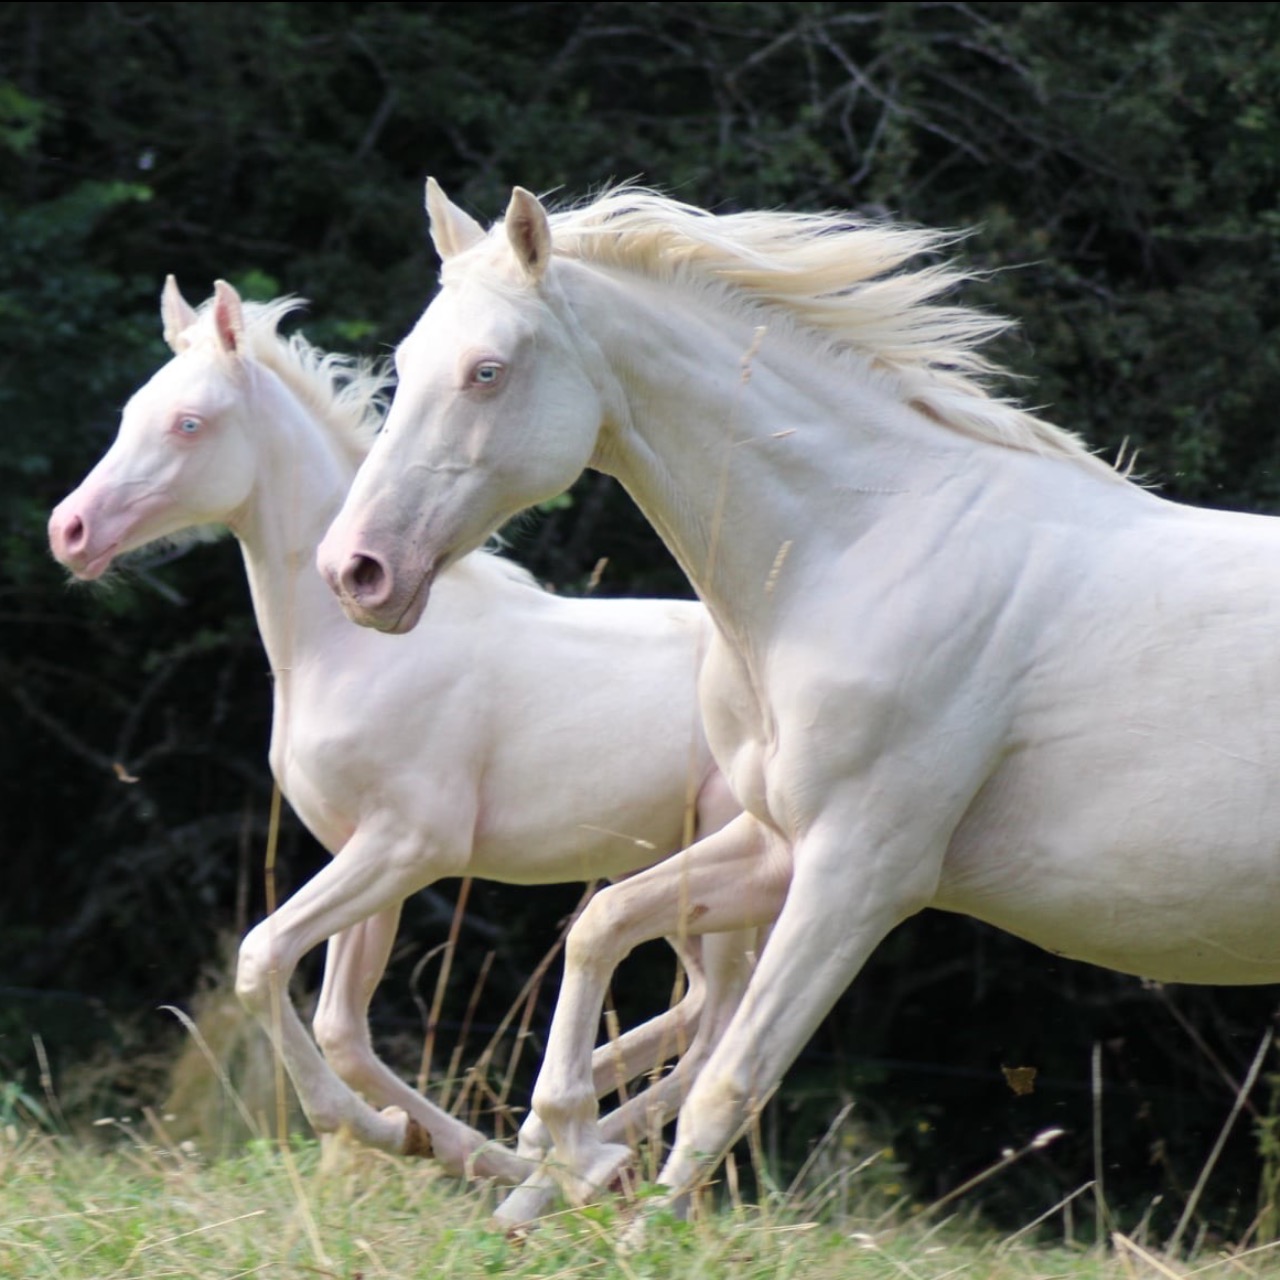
x=92, y=525
x=366, y=580
x=367, y=588
x=71, y=542
x=363, y=582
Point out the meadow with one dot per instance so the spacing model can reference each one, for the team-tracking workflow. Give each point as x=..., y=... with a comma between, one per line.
x=143, y=1205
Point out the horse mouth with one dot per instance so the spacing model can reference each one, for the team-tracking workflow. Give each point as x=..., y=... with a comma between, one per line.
x=386, y=617
x=412, y=613
x=91, y=569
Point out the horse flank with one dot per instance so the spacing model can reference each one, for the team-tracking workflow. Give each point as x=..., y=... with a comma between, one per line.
x=836, y=282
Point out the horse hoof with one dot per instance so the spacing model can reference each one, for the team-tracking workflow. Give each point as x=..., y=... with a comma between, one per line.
x=416, y=1142
x=635, y=1233
x=625, y=1182
x=523, y=1207
x=634, y=1236
x=611, y=1172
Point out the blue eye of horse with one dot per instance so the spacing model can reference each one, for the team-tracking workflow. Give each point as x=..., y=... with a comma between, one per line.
x=189, y=426
x=486, y=374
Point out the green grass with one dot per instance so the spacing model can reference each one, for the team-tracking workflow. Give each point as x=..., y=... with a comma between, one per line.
x=145, y=1209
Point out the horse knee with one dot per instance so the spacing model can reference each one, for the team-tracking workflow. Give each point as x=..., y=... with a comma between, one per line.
x=596, y=941
x=257, y=970
x=560, y=1110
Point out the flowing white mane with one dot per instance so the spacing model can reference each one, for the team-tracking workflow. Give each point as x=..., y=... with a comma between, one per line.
x=349, y=394
x=836, y=279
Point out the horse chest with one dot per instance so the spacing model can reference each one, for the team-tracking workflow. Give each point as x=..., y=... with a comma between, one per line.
x=737, y=727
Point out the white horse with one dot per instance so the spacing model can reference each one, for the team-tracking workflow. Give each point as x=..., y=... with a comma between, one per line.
x=520, y=736
x=960, y=662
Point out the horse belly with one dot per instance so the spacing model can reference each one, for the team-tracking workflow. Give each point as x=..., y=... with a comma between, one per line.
x=1158, y=869
x=599, y=820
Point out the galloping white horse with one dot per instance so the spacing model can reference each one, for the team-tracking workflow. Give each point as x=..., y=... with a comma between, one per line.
x=520, y=736
x=960, y=662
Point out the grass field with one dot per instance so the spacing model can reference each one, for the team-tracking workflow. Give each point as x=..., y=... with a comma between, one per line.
x=132, y=1197
x=148, y=1209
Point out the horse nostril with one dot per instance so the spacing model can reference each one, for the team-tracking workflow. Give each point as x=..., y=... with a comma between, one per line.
x=365, y=578
x=67, y=536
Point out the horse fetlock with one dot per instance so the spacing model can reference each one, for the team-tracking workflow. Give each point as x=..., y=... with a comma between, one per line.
x=534, y=1139
x=603, y=1169
x=387, y=1130
x=715, y=1110
x=417, y=1143
x=528, y=1202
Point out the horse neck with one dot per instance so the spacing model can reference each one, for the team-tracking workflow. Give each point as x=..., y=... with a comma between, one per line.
x=747, y=450
x=303, y=476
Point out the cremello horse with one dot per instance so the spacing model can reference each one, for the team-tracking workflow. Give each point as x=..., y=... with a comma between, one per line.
x=960, y=663
x=520, y=736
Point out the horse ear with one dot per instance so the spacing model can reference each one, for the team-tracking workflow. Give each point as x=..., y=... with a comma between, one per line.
x=452, y=230
x=529, y=232
x=177, y=316
x=228, y=318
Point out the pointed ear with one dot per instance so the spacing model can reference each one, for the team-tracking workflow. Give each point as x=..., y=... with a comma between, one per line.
x=228, y=318
x=529, y=232
x=176, y=314
x=452, y=230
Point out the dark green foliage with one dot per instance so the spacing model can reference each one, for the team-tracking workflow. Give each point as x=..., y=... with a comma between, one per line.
x=1120, y=164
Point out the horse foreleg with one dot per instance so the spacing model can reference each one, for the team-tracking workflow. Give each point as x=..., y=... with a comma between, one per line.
x=729, y=959
x=367, y=878
x=852, y=883
x=636, y=1052
x=354, y=964
x=731, y=880
x=726, y=961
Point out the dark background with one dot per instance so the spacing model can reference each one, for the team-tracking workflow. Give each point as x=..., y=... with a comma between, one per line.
x=1119, y=163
